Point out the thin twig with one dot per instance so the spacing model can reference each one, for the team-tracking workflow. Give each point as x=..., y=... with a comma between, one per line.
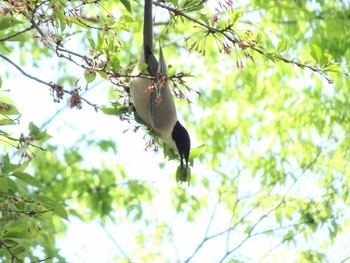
x=25, y=73
x=50, y=84
x=16, y=34
x=26, y=212
x=229, y=34
x=114, y=241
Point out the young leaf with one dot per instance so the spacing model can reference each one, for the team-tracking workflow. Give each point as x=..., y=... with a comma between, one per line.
x=183, y=174
x=18, y=250
x=127, y=5
x=6, y=166
x=126, y=19
x=169, y=152
x=36, y=134
x=333, y=68
x=89, y=75
x=8, y=109
x=6, y=121
x=236, y=15
x=259, y=38
x=4, y=183
x=174, y=2
x=52, y=204
x=326, y=59
x=60, y=211
x=116, y=109
x=28, y=179
x=8, y=21
x=91, y=42
x=205, y=19
x=316, y=52
x=195, y=152
x=22, y=166
x=282, y=46
x=144, y=67
x=115, y=63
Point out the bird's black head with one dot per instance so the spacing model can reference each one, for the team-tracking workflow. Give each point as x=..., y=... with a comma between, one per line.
x=182, y=141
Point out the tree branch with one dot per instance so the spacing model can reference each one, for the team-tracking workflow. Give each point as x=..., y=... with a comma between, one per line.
x=229, y=34
x=114, y=241
x=16, y=34
x=55, y=87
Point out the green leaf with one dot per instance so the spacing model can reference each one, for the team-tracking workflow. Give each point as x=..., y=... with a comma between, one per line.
x=316, y=52
x=333, y=68
x=174, y=2
x=33, y=129
x=36, y=134
x=89, y=75
x=18, y=250
x=195, y=8
x=103, y=75
x=6, y=121
x=22, y=166
x=183, y=174
x=60, y=211
x=106, y=145
x=236, y=15
x=282, y=46
x=126, y=19
x=16, y=232
x=279, y=217
x=144, y=67
x=326, y=59
x=16, y=229
x=28, y=179
x=100, y=36
x=11, y=185
x=127, y=5
x=4, y=49
x=62, y=19
x=4, y=183
x=195, y=152
x=10, y=242
x=205, y=19
x=116, y=109
x=8, y=109
x=6, y=166
x=259, y=38
x=92, y=42
x=115, y=63
x=271, y=56
x=8, y=21
x=169, y=152
x=52, y=204
x=16, y=37
x=79, y=22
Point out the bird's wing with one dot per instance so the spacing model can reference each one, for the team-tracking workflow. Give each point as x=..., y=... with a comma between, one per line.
x=162, y=107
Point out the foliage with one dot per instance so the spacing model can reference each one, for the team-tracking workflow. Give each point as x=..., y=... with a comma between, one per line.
x=272, y=112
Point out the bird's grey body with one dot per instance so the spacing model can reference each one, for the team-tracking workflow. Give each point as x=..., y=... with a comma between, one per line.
x=151, y=95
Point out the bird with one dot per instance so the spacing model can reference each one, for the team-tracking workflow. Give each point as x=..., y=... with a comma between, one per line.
x=151, y=96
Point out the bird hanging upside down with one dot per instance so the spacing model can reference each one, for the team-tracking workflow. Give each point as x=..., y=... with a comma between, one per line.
x=152, y=97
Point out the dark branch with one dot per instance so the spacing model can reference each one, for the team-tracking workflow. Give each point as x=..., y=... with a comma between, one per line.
x=16, y=34
x=52, y=85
